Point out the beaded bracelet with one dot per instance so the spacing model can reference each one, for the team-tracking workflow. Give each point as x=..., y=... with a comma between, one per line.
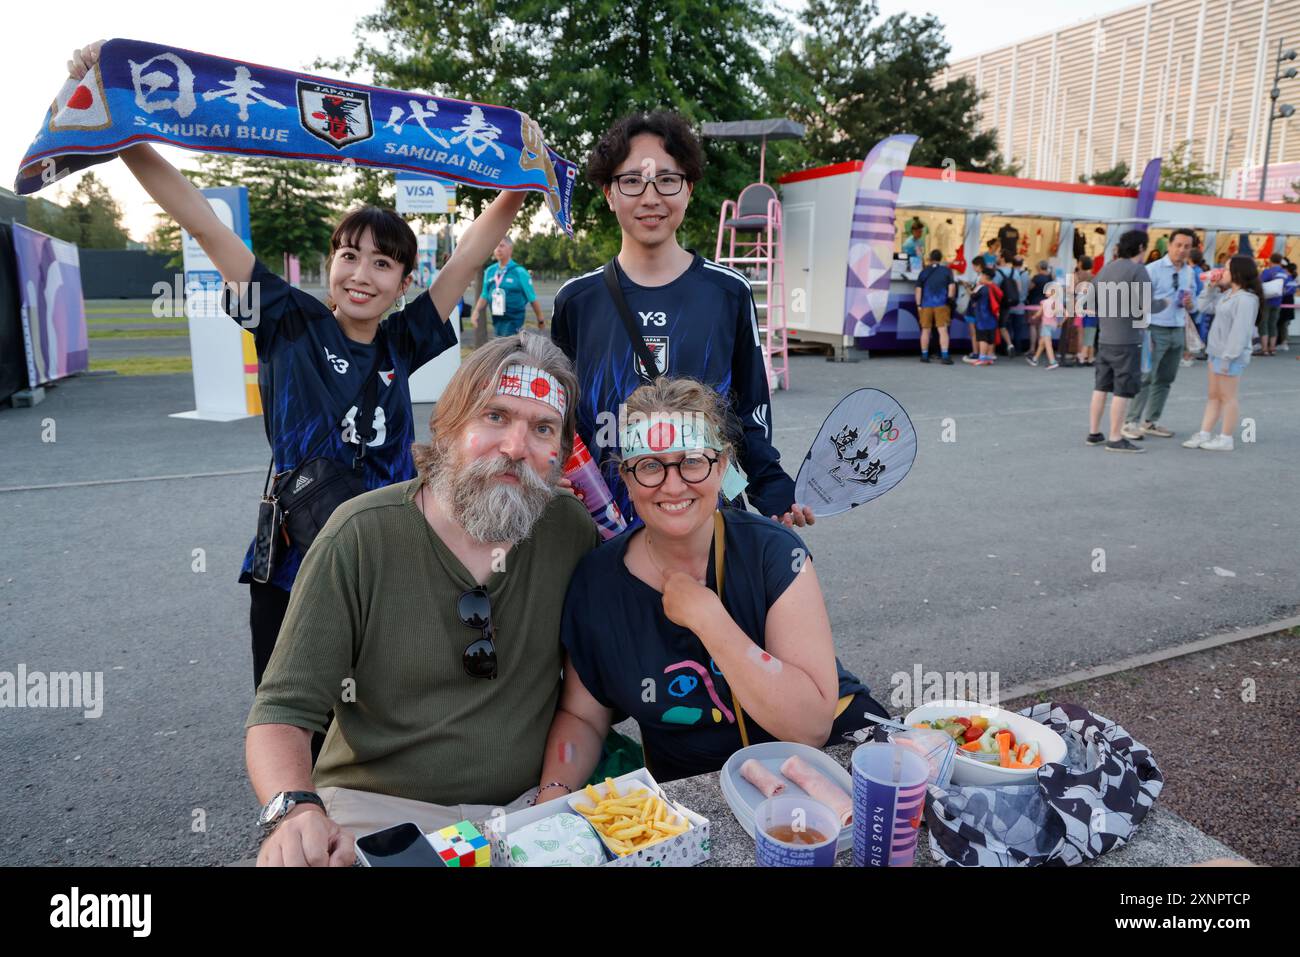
x=553, y=784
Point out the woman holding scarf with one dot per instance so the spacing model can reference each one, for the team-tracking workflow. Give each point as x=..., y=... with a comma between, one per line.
x=333, y=376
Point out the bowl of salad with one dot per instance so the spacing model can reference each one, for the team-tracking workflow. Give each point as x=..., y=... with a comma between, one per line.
x=994, y=746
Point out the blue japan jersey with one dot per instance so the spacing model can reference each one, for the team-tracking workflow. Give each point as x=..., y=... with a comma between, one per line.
x=310, y=376
x=703, y=324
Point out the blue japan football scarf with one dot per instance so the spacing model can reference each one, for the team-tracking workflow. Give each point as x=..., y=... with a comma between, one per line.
x=146, y=92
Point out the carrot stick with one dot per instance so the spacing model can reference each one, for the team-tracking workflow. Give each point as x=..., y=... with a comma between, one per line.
x=1004, y=749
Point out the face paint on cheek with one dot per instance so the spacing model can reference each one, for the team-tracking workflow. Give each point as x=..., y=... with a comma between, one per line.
x=764, y=660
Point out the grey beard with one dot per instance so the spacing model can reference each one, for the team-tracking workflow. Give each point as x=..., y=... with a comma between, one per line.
x=491, y=511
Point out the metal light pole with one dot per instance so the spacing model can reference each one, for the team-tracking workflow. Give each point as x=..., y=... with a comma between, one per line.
x=1223, y=170
x=1274, y=111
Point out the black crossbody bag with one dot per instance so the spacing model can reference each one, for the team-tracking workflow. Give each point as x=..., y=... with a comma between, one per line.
x=297, y=503
x=642, y=350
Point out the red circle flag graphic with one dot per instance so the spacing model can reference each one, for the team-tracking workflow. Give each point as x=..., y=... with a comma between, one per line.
x=660, y=436
x=541, y=388
x=81, y=98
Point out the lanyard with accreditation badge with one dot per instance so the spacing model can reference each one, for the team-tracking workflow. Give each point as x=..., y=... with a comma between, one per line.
x=499, y=294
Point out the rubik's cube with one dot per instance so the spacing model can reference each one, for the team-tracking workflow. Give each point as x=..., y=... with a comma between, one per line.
x=461, y=845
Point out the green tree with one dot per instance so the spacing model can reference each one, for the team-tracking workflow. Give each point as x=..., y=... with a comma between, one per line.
x=853, y=81
x=1293, y=197
x=97, y=215
x=1115, y=176
x=579, y=66
x=1181, y=173
x=371, y=187
x=50, y=219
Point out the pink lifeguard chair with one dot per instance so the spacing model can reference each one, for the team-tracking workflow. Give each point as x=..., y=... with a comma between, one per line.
x=751, y=239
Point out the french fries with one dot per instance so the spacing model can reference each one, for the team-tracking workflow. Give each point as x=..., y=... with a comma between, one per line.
x=629, y=822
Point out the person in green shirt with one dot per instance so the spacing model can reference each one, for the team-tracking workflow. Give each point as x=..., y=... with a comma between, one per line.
x=426, y=616
x=506, y=292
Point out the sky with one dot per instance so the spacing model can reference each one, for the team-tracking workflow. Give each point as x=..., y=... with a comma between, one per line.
x=292, y=34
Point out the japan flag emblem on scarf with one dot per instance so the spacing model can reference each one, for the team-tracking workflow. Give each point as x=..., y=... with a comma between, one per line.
x=80, y=106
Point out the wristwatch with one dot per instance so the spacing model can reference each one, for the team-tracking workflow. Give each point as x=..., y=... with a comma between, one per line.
x=283, y=803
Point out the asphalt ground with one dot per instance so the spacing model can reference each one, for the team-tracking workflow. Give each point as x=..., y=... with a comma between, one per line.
x=981, y=560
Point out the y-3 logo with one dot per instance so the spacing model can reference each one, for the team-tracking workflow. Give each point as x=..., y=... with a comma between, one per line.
x=653, y=318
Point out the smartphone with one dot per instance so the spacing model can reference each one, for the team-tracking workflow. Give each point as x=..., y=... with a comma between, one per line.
x=266, y=546
x=403, y=845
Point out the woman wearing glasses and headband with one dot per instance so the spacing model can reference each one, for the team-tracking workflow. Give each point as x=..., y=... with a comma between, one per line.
x=647, y=634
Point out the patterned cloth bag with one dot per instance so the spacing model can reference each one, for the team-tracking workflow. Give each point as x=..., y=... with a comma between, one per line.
x=1075, y=811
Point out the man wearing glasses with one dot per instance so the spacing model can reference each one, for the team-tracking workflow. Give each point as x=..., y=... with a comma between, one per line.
x=426, y=616
x=696, y=318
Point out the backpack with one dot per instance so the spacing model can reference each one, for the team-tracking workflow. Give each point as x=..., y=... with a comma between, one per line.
x=1009, y=288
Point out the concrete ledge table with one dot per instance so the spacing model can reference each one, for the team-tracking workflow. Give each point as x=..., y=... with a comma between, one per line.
x=1162, y=840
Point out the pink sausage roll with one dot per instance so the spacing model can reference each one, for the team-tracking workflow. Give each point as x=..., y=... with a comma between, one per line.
x=820, y=788
x=768, y=784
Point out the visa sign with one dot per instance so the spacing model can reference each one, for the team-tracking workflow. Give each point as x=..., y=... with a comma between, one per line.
x=425, y=196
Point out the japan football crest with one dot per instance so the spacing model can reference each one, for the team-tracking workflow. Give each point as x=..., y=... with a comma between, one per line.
x=334, y=114
x=658, y=346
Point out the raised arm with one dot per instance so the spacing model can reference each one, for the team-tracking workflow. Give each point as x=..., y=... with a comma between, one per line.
x=790, y=687
x=182, y=201
x=474, y=249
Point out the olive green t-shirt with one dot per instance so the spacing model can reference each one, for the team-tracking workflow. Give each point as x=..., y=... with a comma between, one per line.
x=376, y=603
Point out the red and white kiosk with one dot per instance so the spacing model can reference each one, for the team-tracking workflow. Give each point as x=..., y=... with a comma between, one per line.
x=961, y=212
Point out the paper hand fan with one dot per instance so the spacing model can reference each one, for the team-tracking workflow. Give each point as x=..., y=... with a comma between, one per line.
x=864, y=448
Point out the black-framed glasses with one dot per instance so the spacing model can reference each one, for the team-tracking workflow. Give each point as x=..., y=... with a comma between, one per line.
x=651, y=472
x=634, y=184
x=475, y=610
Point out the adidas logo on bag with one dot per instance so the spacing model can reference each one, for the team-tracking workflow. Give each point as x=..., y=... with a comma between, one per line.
x=302, y=483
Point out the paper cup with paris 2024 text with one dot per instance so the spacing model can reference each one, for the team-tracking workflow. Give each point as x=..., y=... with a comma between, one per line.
x=889, y=785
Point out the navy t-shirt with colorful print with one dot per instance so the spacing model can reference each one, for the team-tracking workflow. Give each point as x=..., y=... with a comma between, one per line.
x=633, y=659
x=310, y=373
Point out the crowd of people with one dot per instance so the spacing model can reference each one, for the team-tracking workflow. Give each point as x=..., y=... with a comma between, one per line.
x=1137, y=320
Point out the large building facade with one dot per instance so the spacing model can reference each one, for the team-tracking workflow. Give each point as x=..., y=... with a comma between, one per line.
x=1134, y=84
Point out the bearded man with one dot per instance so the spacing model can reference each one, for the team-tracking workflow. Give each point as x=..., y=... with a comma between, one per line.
x=427, y=617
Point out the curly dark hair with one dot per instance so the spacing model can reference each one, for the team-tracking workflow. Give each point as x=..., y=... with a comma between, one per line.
x=680, y=142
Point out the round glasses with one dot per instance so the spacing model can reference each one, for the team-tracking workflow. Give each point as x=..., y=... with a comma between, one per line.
x=651, y=472
x=480, y=657
x=634, y=184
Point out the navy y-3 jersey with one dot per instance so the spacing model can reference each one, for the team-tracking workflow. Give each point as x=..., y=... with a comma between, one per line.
x=702, y=324
x=310, y=373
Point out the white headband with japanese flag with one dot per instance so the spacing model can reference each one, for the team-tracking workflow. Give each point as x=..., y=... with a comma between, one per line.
x=662, y=433
x=530, y=382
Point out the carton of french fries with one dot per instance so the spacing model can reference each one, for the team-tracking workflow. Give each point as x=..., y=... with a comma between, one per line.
x=628, y=820
x=633, y=817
